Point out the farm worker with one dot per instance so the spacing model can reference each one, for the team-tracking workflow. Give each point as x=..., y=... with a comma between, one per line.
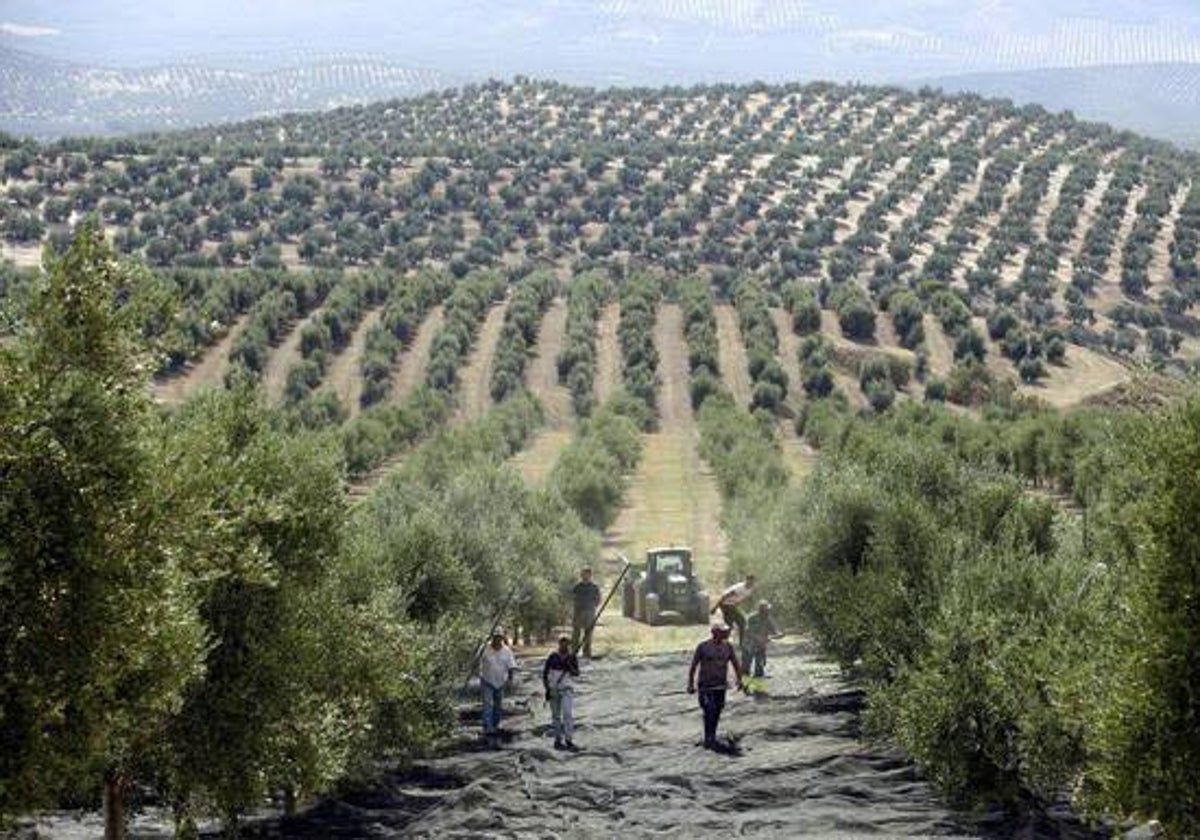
x=587, y=598
x=559, y=675
x=712, y=659
x=760, y=629
x=496, y=668
x=728, y=605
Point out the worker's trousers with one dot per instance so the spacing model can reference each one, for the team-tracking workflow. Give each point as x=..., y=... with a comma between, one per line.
x=492, y=699
x=582, y=627
x=562, y=713
x=712, y=702
x=754, y=660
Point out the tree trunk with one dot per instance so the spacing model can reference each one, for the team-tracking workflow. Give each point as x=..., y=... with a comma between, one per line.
x=289, y=801
x=115, y=787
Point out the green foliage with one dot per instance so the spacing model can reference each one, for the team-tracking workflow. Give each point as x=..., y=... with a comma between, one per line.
x=700, y=332
x=1011, y=646
x=801, y=301
x=907, y=318
x=1144, y=737
x=762, y=346
x=99, y=636
x=384, y=430
x=464, y=311
x=855, y=312
x=328, y=333
x=528, y=302
x=589, y=474
x=412, y=526
x=639, y=297
x=577, y=360
x=407, y=304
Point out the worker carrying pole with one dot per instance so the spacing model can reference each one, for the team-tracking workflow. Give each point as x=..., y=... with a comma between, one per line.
x=591, y=625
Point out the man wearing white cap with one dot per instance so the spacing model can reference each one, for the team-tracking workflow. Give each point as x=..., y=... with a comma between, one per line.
x=496, y=667
x=712, y=659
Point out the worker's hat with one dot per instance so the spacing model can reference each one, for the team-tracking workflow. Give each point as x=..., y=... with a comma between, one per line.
x=720, y=628
x=498, y=633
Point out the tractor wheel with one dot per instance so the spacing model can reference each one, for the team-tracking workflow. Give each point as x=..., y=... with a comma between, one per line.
x=700, y=608
x=653, y=610
x=628, y=600
x=639, y=603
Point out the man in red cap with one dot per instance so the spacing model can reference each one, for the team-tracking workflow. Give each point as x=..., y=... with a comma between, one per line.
x=712, y=659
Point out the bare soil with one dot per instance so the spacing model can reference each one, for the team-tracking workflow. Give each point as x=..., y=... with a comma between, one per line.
x=409, y=372
x=474, y=389
x=541, y=377
x=345, y=370
x=206, y=372
x=734, y=366
x=283, y=357
x=608, y=353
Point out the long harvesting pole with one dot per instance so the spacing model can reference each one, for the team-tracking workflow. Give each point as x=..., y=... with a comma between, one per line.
x=599, y=612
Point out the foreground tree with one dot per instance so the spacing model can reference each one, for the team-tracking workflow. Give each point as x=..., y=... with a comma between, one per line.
x=310, y=669
x=98, y=632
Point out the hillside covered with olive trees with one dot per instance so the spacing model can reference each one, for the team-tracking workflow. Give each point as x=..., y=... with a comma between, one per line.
x=294, y=410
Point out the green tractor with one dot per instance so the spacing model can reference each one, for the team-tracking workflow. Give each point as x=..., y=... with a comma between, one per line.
x=666, y=590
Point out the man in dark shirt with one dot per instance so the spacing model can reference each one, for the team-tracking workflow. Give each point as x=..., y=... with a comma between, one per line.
x=712, y=660
x=587, y=599
x=558, y=676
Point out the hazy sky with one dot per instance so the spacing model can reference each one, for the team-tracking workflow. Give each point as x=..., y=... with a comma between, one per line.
x=601, y=41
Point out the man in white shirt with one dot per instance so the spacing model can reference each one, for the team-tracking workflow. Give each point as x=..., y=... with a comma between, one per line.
x=728, y=605
x=496, y=667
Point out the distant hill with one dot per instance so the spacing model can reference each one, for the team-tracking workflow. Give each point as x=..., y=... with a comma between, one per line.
x=1162, y=100
x=46, y=98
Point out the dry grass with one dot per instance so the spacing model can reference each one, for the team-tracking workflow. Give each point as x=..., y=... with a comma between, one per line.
x=207, y=372
x=672, y=498
x=608, y=353
x=541, y=376
x=409, y=371
x=474, y=390
x=283, y=358
x=1086, y=374
x=345, y=374
x=734, y=366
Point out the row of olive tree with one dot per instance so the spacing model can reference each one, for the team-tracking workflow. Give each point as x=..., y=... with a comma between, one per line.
x=1014, y=648
x=178, y=609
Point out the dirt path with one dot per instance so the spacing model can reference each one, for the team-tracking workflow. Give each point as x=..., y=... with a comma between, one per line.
x=345, y=374
x=541, y=377
x=283, y=357
x=208, y=372
x=791, y=764
x=409, y=372
x=941, y=353
x=789, y=353
x=734, y=367
x=672, y=497
x=475, y=387
x=608, y=353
